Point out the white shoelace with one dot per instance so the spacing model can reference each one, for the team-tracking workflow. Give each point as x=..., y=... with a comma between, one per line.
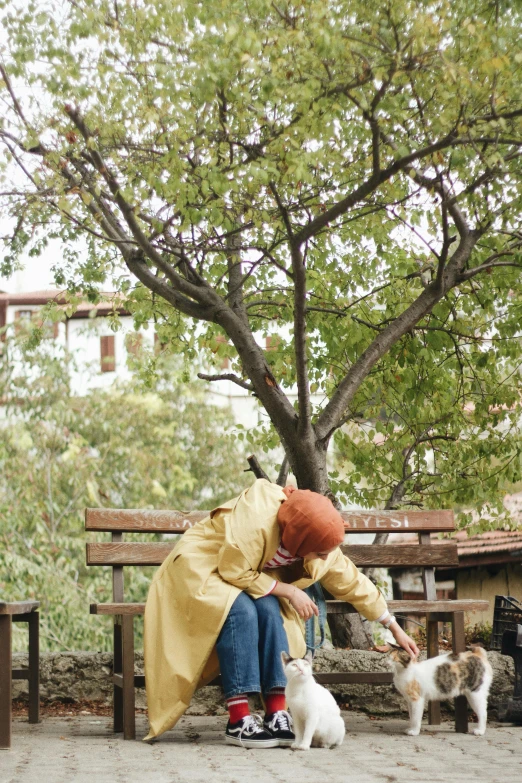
x=253, y=724
x=282, y=720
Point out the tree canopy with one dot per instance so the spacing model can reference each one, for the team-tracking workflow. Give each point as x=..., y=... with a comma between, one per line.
x=344, y=175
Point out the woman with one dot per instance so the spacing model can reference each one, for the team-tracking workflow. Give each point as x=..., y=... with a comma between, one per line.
x=230, y=598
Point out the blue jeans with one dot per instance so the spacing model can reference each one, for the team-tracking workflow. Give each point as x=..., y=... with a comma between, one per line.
x=249, y=646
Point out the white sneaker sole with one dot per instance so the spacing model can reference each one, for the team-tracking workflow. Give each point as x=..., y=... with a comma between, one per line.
x=251, y=743
x=285, y=743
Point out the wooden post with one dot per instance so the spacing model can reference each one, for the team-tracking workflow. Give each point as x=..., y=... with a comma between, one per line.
x=33, y=621
x=459, y=645
x=117, y=669
x=432, y=639
x=6, y=666
x=117, y=664
x=129, y=717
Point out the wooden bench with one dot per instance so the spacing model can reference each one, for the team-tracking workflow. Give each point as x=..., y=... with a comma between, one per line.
x=18, y=612
x=426, y=555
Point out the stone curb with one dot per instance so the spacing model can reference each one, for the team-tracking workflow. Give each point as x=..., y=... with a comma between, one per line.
x=86, y=676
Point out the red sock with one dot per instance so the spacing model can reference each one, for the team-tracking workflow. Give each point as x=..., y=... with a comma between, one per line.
x=275, y=700
x=238, y=707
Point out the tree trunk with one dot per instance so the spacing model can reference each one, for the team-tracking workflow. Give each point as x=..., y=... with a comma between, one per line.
x=350, y=630
x=308, y=461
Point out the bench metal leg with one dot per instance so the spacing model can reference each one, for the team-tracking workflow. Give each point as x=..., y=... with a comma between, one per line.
x=129, y=717
x=117, y=669
x=33, y=621
x=6, y=665
x=459, y=645
x=432, y=640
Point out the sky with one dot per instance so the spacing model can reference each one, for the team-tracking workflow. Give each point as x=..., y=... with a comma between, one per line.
x=36, y=274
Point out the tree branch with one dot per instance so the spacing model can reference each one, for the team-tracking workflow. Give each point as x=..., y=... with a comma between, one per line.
x=485, y=268
x=300, y=343
x=371, y=184
x=137, y=265
x=201, y=292
x=256, y=468
x=235, y=276
x=227, y=376
x=282, y=209
x=16, y=103
x=334, y=410
x=283, y=472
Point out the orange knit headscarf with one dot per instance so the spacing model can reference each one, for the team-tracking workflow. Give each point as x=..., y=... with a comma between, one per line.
x=309, y=522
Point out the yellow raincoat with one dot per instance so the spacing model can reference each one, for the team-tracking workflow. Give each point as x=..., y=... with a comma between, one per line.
x=195, y=587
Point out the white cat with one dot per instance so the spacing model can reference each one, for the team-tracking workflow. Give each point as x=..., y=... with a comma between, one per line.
x=317, y=718
x=466, y=674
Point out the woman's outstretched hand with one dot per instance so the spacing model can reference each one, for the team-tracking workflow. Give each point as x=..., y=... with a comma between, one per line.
x=402, y=639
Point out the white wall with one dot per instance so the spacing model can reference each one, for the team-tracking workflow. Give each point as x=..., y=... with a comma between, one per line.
x=84, y=340
x=82, y=336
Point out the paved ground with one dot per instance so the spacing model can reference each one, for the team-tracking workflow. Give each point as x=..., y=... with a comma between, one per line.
x=82, y=748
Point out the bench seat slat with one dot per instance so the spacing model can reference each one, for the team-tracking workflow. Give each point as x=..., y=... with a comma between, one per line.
x=374, y=678
x=418, y=606
x=328, y=678
x=18, y=607
x=139, y=680
x=153, y=521
x=154, y=553
x=20, y=674
x=113, y=609
x=414, y=606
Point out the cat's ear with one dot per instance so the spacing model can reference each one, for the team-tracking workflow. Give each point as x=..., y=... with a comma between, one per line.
x=400, y=656
x=309, y=657
x=286, y=658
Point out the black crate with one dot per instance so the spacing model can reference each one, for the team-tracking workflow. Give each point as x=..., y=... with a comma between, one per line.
x=507, y=615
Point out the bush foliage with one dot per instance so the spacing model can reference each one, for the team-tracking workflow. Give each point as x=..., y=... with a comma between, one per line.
x=124, y=447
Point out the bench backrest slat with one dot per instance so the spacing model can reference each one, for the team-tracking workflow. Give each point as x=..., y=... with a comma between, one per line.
x=152, y=521
x=140, y=520
x=444, y=554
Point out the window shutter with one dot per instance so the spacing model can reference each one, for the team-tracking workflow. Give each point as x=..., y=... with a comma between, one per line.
x=159, y=343
x=225, y=362
x=272, y=342
x=107, y=353
x=134, y=343
x=3, y=319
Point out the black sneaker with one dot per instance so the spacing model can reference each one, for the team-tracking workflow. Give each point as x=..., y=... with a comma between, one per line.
x=280, y=726
x=249, y=733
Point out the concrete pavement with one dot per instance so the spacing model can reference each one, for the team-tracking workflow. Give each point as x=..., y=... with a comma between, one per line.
x=82, y=748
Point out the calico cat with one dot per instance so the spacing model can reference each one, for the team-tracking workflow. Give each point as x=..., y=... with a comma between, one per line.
x=466, y=674
x=317, y=718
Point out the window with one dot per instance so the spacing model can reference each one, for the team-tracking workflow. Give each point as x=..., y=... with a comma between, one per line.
x=22, y=320
x=23, y=315
x=107, y=353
